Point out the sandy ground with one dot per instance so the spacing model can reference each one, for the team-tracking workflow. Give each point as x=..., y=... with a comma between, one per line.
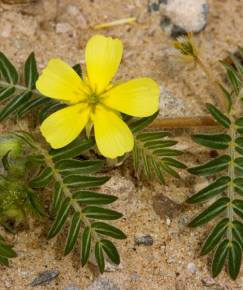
x=152, y=209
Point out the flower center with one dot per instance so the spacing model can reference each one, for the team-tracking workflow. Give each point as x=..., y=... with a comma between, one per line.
x=93, y=99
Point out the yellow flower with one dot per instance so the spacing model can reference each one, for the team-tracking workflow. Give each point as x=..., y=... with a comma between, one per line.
x=94, y=99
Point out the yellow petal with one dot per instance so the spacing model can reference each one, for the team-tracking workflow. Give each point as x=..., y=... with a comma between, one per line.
x=103, y=56
x=138, y=97
x=63, y=126
x=59, y=81
x=112, y=135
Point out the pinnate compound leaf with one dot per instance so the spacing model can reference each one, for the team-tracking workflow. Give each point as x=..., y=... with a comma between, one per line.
x=14, y=104
x=219, y=141
x=57, y=198
x=211, y=190
x=90, y=197
x=211, y=212
x=86, y=245
x=100, y=256
x=8, y=70
x=72, y=150
x=213, y=166
x=234, y=261
x=110, y=251
x=43, y=179
x=73, y=233
x=238, y=207
x=95, y=212
x=218, y=116
x=6, y=92
x=220, y=257
x=30, y=71
x=60, y=218
x=6, y=250
x=237, y=231
x=139, y=124
x=85, y=181
x=72, y=166
x=215, y=236
x=108, y=230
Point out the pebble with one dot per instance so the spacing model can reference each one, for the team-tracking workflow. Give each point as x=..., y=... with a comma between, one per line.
x=181, y=16
x=208, y=282
x=187, y=15
x=63, y=27
x=141, y=239
x=103, y=284
x=191, y=267
x=44, y=277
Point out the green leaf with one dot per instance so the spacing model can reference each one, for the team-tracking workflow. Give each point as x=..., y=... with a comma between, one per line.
x=151, y=136
x=71, y=166
x=100, y=256
x=49, y=108
x=239, y=124
x=215, y=236
x=238, y=207
x=31, y=104
x=60, y=218
x=8, y=70
x=85, y=181
x=34, y=202
x=57, y=198
x=211, y=212
x=218, y=116
x=110, y=251
x=108, y=230
x=227, y=95
x=30, y=71
x=219, y=141
x=146, y=163
x=237, y=231
x=172, y=162
x=135, y=157
x=77, y=68
x=4, y=261
x=86, y=244
x=90, y=197
x=239, y=164
x=213, y=166
x=73, y=233
x=7, y=251
x=220, y=257
x=234, y=261
x=6, y=92
x=95, y=212
x=238, y=182
x=14, y=104
x=233, y=78
x=157, y=170
x=167, y=152
x=211, y=190
x=169, y=170
x=72, y=150
x=43, y=179
x=159, y=144
x=139, y=124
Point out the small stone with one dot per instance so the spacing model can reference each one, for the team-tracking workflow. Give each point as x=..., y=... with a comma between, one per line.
x=168, y=221
x=103, y=284
x=8, y=284
x=44, y=278
x=182, y=16
x=63, y=27
x=141, y=239
x=191, y=267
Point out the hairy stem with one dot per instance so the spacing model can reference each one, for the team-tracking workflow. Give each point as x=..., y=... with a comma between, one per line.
x=183, y=122
x=232, y=175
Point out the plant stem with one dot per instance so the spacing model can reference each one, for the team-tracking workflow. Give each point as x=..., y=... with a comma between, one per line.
x=183, y=122
x=20, y=88
x=231, y=173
